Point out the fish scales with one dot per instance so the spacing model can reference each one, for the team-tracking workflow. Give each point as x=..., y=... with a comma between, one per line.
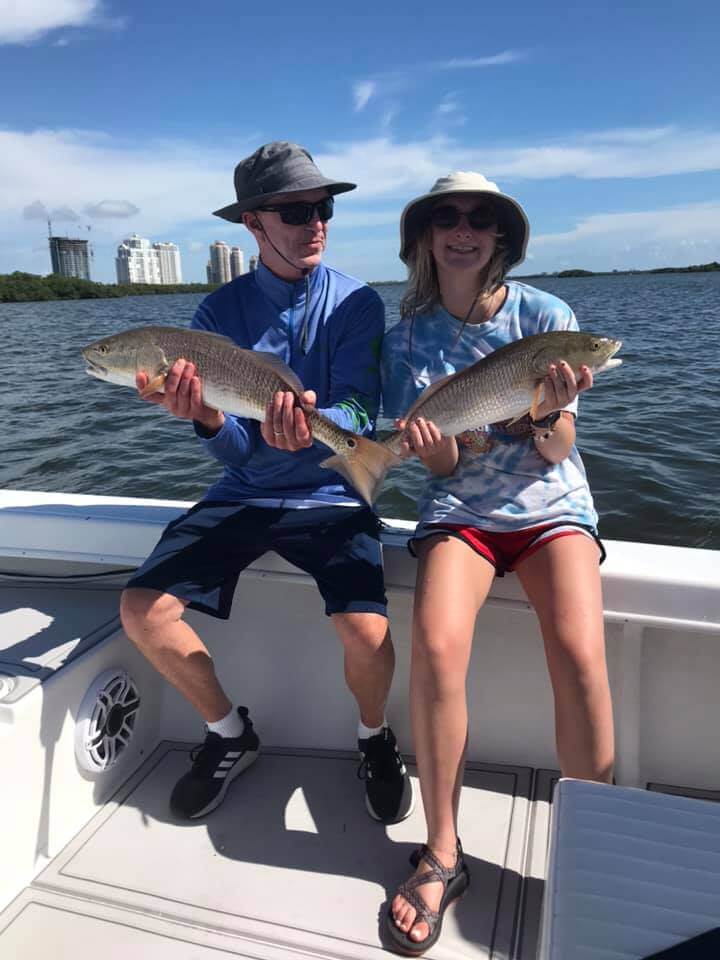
x=235, y=381
x=504, y=385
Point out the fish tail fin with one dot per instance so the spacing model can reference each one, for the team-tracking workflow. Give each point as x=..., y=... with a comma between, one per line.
x=365, y=466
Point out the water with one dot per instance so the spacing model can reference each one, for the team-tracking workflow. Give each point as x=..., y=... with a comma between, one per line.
x=648, y=432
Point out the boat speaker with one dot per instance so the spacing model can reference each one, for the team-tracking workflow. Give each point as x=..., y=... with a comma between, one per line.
x=7, y=685
x=106, y=720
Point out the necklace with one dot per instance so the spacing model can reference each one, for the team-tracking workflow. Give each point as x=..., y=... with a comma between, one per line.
x=466, y=318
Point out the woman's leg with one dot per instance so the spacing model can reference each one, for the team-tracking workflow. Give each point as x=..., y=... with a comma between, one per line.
x=562, y=581
x=452, y=584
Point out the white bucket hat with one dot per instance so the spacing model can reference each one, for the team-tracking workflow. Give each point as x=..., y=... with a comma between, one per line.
x=512, y=218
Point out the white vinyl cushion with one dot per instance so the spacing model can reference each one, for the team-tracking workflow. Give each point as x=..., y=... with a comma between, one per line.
x=630, y=872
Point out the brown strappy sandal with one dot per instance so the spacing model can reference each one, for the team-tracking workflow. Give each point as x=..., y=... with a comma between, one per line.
x=455, y=881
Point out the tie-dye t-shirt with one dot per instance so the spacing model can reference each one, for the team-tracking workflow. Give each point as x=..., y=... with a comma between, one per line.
x=504, y=484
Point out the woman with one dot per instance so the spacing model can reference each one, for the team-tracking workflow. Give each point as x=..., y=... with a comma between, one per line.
x=505, y=497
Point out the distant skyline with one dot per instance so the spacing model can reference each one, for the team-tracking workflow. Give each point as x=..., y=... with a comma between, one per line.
x=603, y=122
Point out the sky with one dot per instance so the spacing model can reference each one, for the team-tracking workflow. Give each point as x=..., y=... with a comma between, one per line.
x=129, y=117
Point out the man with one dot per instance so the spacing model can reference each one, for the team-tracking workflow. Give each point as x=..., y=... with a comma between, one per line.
x=273, y=495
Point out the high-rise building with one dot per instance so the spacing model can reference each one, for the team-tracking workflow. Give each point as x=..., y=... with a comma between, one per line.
x=137, y=261
x=169, y=260
x=237, y=262
x=218, y=269
x=252, y=265
x=70, y=258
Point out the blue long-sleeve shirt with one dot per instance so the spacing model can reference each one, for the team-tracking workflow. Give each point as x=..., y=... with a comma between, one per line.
x=333, y=344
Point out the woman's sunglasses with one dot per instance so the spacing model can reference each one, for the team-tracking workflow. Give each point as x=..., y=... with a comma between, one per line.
x=447, y=216
x=301, y=212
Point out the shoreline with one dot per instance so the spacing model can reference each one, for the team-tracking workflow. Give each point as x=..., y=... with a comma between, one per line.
x=712, y=267
x=21, y=287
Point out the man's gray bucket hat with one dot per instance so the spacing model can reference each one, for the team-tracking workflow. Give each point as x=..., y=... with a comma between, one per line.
x=277, y=167
x=513, y=220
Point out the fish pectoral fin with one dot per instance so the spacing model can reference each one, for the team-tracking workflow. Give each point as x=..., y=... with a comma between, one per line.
x=536, y=401
x=155, y=385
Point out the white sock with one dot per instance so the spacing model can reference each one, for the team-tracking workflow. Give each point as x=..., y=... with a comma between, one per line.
x=230, y=726
x=365, y=732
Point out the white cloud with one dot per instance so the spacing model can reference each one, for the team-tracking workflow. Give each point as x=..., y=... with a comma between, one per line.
x=449, y=111
x=176, y=185
x=669, y=224
x=448, y=104
x=63, y=213
x=394, y=82
x=362, y=92
x=169, y=181
x=35, y=211
x=383, y=167
x=386, y=166
x=631, y=134
x=23, y=21
x=472, y=63
x=112, y=209
x=675, y=235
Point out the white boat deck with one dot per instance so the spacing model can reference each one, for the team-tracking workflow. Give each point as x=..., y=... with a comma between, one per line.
x=289, y=865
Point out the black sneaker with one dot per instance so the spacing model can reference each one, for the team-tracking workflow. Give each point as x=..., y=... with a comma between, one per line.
x=216, y=763
x=389, y=794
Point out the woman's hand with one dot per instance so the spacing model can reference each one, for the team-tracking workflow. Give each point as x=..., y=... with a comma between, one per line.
x=285, y=426
x=182, y=396
x=561, y=387
x=424, y=440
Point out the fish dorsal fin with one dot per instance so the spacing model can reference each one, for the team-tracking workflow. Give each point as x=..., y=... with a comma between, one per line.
x=159, y=328
x=427, y=393
x=278, y=367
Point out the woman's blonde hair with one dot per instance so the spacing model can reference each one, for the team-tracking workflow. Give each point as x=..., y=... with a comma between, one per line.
x=423, y=288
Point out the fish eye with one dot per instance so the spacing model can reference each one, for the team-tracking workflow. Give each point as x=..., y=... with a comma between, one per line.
x=351, y=443
x=102, y=348
x=595, y=345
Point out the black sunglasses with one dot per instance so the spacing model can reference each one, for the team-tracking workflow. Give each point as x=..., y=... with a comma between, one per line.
x=301, y=212
x=447, y=216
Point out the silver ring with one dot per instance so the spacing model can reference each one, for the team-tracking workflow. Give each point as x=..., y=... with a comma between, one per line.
x=279, y=433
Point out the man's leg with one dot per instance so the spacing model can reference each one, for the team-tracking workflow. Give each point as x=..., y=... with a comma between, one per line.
x=153, y=622
x=369, y=667
x=340, y=547
x=369, y=662
x=198, y=558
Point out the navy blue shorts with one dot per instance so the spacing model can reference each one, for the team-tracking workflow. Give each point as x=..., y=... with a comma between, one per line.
x=201, y=554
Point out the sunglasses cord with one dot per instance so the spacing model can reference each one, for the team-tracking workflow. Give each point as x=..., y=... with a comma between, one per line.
x=459, y=333
x=466, y=318
x=304, y=271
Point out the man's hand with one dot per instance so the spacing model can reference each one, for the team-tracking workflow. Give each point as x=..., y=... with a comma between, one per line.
x=285, y=426
x=561, y=388
x=183, y=396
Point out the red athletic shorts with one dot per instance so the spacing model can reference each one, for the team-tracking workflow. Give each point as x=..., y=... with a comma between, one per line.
x=505, y=550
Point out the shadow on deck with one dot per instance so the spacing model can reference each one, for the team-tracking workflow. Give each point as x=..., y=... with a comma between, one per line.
x=290, y=864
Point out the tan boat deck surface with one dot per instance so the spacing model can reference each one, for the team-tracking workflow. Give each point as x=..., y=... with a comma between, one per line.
x=289, y=866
